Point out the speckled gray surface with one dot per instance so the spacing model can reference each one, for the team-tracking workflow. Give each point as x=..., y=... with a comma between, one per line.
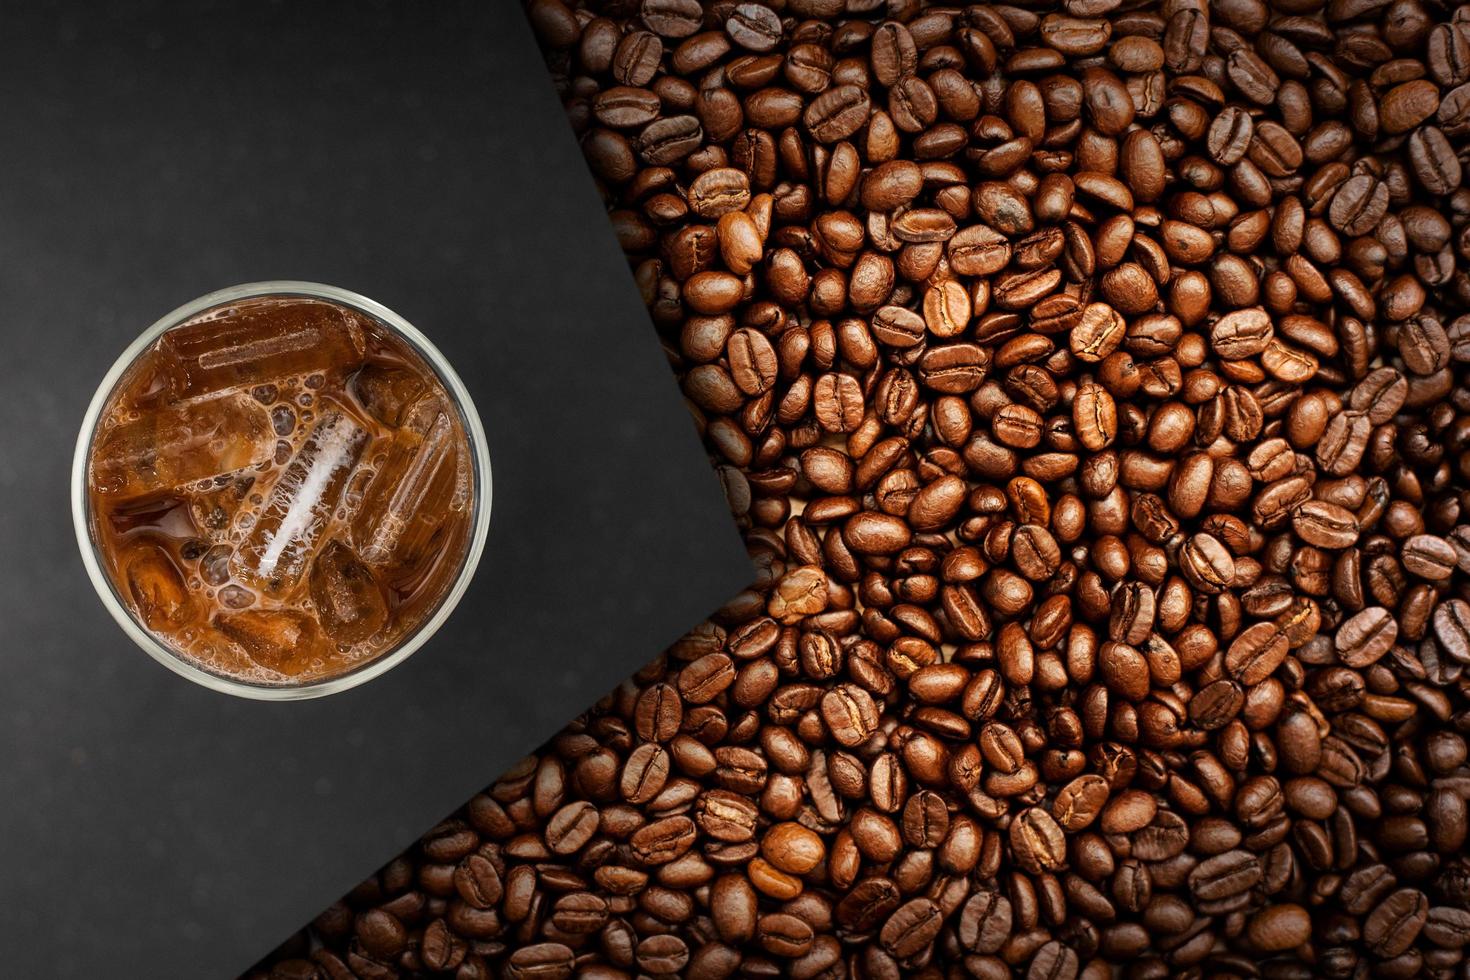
x=410, y=151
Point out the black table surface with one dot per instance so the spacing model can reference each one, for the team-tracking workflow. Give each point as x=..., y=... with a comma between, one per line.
x=411, y=151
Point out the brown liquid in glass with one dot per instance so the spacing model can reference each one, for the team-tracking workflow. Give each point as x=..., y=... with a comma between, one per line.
x=281, y=490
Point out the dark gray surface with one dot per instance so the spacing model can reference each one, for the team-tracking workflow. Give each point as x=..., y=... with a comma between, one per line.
x=413, y=152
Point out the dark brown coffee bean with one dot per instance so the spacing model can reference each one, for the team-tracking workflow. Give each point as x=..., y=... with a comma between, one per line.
x=837, y=113
x=1279, y=927
x=1365, y=637
x=541, y=961
x=850, y=714
x=784, y=935
x=1080, y=802
x=894, y=54
x=1405, y=106
x=1206, y=563
x=478, y=882
x=1098, y=333
x=978, y=250
x=1242, y=333
x=985, y=922
x=1342, y=446
x=1224, y=875
x=1381, y=394
x=1435, y=165
x=1447, y=927
x=637, y=58
x=1324, y=524
x=754, y=27
x=1429, y=556
x=911, y=928
x=571, y=827
x=1395, y=922
x=837, y=402
x=1037, y=841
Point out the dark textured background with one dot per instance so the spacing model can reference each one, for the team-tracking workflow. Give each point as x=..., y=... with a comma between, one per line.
x=416, y=153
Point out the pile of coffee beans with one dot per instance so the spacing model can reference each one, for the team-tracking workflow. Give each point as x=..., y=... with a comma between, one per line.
x=1089, y=381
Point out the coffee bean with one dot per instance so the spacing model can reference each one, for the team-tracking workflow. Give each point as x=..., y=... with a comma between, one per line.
x=1325, y=524
x=1080, y=802
x=1095, y=416
x=1342, y=446
x=1447, y=927
x=1395, y=922
x=541, y=961
x=1365, y=637
x=911, y=927
x=1053, y=961
x=1429, y=556
x=837, y=402
x=571, y=827
x=977, y=250
x=1405, y=106
x=478, y=882
x=1206, y=563
x=792, y=848
x=1037, y=840
x=1452, y=628
x=1229, y=135
x=637, y=58
x=1242, y=333
x=626, y=107
x=754, y=27
x=1435, y=165
x=850, y=714
x=1224, y=875
x=985, y=922
x=1279, y=927
x=1359, y=204
x=837, y=113
x=1098, y=333
x=898, y=327
x=1381, y=394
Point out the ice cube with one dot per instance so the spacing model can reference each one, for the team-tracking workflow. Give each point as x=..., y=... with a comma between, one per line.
x=349, y=603
x=259, y=341
x=387, y=393
x=168, y=515
x=296, y=515
x=157, y=589
x=409, y=496
x=181, y=444
x=282, y=640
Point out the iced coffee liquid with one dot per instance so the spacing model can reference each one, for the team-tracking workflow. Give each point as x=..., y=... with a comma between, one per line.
x=281, y=490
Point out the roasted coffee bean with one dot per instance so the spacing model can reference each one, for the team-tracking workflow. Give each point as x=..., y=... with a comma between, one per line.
x=1395, y=922
x=1365, y=637
x=1325, y=524
x=985, y=922
x=1256, y=653
x=1429, y=556
x=1224, y=875
x=1242, y=333
x=1037, y=840
x=1279, y=927
x=911, y=927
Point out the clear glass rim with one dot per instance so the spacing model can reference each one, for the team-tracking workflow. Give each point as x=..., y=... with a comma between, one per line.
x=282, y=692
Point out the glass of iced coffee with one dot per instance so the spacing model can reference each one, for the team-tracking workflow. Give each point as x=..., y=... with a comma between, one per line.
x=281, y=490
